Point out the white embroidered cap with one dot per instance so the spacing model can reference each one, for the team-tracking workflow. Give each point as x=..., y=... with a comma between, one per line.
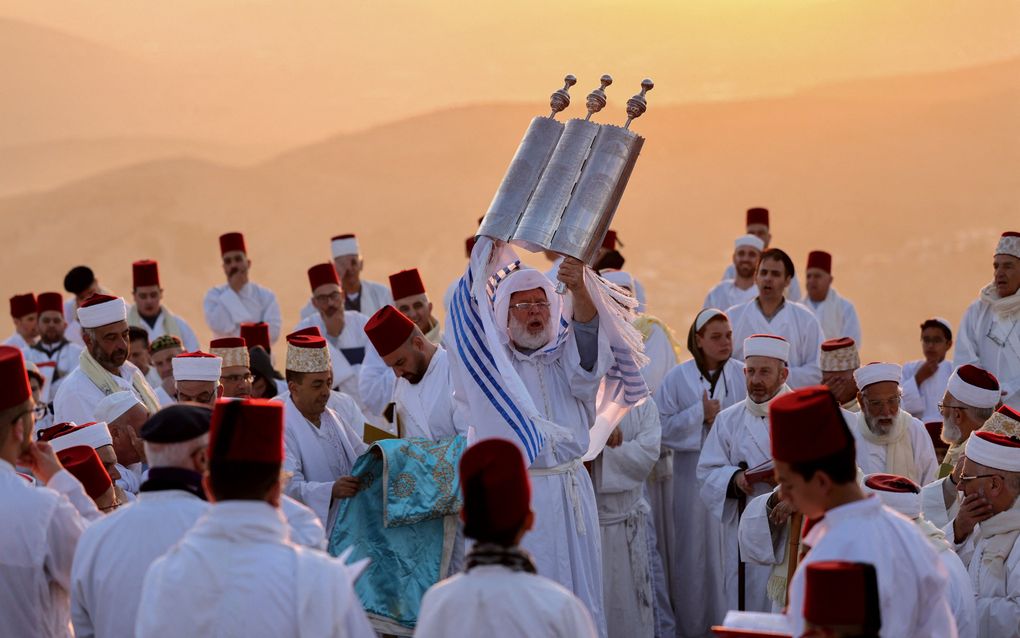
x=975, y=387
x=1009, y=244
x=113, y=406
x=307, y=353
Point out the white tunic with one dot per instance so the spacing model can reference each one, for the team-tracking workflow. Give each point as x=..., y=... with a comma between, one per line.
x=373, y=297
x=225, y=310
x=871, y=458
x=619, y=477
x=694, y=545
x=923, y=402
x=316, y=457
x=347, y=351
x=54, y=364
x=933, y=505
x=991, y=343
x=427, y=408
x=159, y=329
x=837, y=316
x=793, y=322
x=39, y=531
x=737, y=437
x=792, y=291
x=911, y=579
x=492, y=600
x=78, y=396
x=998, y=594
x=726, y=294
x=235, y=573
x=17, y=341
x=661, y=358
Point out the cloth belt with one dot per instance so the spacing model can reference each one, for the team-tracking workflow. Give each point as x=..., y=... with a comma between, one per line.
x=570, y=467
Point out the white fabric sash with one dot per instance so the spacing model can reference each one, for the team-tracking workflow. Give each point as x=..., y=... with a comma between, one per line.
x=235, y=307
x=999, y=534
x=1003, y=307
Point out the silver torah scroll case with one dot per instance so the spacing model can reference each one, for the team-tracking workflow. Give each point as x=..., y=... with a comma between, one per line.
x=565, y=181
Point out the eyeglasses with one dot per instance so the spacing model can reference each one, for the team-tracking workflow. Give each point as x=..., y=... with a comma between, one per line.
x=238, y=378
x=892, y=403
x=526, y=307
x=333, y=296
x=40, y=410
x=943, y=408
x=964, y=478
x=937, y=341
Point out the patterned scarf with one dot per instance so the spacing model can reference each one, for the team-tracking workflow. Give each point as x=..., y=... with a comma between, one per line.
x=513, y=558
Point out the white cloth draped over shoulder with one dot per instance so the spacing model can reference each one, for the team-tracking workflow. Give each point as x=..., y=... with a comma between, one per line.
x=989, y=337
x=906, y=451
x=992, y=556
x=793, y=322
x=837, y=316
x=226, y=309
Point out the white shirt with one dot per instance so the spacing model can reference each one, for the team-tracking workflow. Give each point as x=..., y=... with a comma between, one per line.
x=225, y=310
x=159, y=329
x=347, y=351
x=837, y=316
x=39, y=531
x=426, y=408
x=726, y=294
x=17, y=341
x=793, y=322
x=998, y=595
x=661, y=358
x=55, y=367
x=78, y=396
x=491, y=600
x=923, y=402
x=991, y=343
x=373, y=297
x=235, y=573
x=871, y=458
x=911, y=579
x=792, y=291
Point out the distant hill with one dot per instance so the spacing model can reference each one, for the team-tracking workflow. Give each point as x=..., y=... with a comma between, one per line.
x=908, y=181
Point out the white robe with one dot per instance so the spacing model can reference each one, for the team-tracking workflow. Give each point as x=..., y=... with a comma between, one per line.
x=64, y=362
x=78, y=396
x=792, y=291
x=346, y=365
x=39, y=531
x=316, y=457
x=923, y=402
x=991, y=343
x=736, y=437
x=235, y=573
x=373, y=297
x=997, y=595
x=871, y=458
x=225, y=310
x=690, y=533
x=912, y=582
x=427, y=408
x=837, y=316
x=661, y=358
x=725, y=294
x=188, y=336
x=492, y=600
x=793, y=322
x=619, y=477
x=17, y=341
x=933, y=505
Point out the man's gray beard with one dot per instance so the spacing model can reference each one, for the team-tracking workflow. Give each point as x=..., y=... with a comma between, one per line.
x=880, y=430
x=951, y=433
x=523, y=339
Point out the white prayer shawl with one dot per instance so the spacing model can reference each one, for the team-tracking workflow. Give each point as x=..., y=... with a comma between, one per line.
x=78, y=396
x=726, y=294
x=694, y=543
x=427, y=408
x=619, y=477
x=793, y=322
x=933, y=504
x=992, y=556
x=837, y=316
x=923, y=402
x=187, y=335
x=793, y=292
x=60, y=366
x=225, y=310
x=237, y=574
x=912, y=582
x=39, y=531
x=874, y=457
x=316, y=457
x=991, y=342
x=373, y=297
x=737, y=437
x=492, y=600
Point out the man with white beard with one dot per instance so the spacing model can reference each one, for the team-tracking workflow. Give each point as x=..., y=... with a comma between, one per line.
x=741, y=287
x=889, y=440
x=735, y=465
x=989, y=333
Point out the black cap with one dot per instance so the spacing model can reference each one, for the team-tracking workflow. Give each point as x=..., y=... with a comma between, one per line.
x=177, y=423
x=78, y=279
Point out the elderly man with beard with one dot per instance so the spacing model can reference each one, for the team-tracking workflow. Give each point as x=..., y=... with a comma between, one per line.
x=741, y=287
x=53, y=354
x=889, y=440
x=239, y=300
x=148, y=311
x=104, y=368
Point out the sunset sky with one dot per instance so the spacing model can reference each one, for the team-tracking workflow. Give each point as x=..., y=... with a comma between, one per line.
x=291, y=72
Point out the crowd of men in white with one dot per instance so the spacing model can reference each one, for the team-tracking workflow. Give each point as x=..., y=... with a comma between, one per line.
x=125, y=516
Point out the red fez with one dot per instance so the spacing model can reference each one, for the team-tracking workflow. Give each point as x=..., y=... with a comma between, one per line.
x=820, y=259
x=1008, y=412
x=757, y=215
x=469, y=245
x=13, y=378
x=806, y=425
x=497, y=494
x=145, y=273
x=729, y=632
x=83, y=462
x=977, y=377
x=306, y=340
x=322, y=274
x=892, y=483
x=406, y=283
x=231, y=242
x=830, y=345
x=97, y=299
x=228, y=342
x=256, y=334
x=310, y=331
x=841, y=593
x=51, y=301
x=22, y=305
x=610, y=240
x=344, y=236
x=1011, y=233
x=248, y=430
x=388, y=329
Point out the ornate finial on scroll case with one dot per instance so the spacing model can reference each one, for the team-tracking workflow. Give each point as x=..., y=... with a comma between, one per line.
x=561, y=99
x=597, y=98
x=637, y=105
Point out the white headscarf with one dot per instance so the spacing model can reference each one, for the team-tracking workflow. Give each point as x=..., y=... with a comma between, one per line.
x=560, y=306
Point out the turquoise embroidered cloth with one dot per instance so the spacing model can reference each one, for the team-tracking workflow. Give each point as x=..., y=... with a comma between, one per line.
x=404, y=521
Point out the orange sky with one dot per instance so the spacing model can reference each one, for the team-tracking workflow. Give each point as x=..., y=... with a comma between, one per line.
x=295, y=71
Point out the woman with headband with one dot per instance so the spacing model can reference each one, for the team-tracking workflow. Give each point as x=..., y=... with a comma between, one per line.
x=690, y=397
